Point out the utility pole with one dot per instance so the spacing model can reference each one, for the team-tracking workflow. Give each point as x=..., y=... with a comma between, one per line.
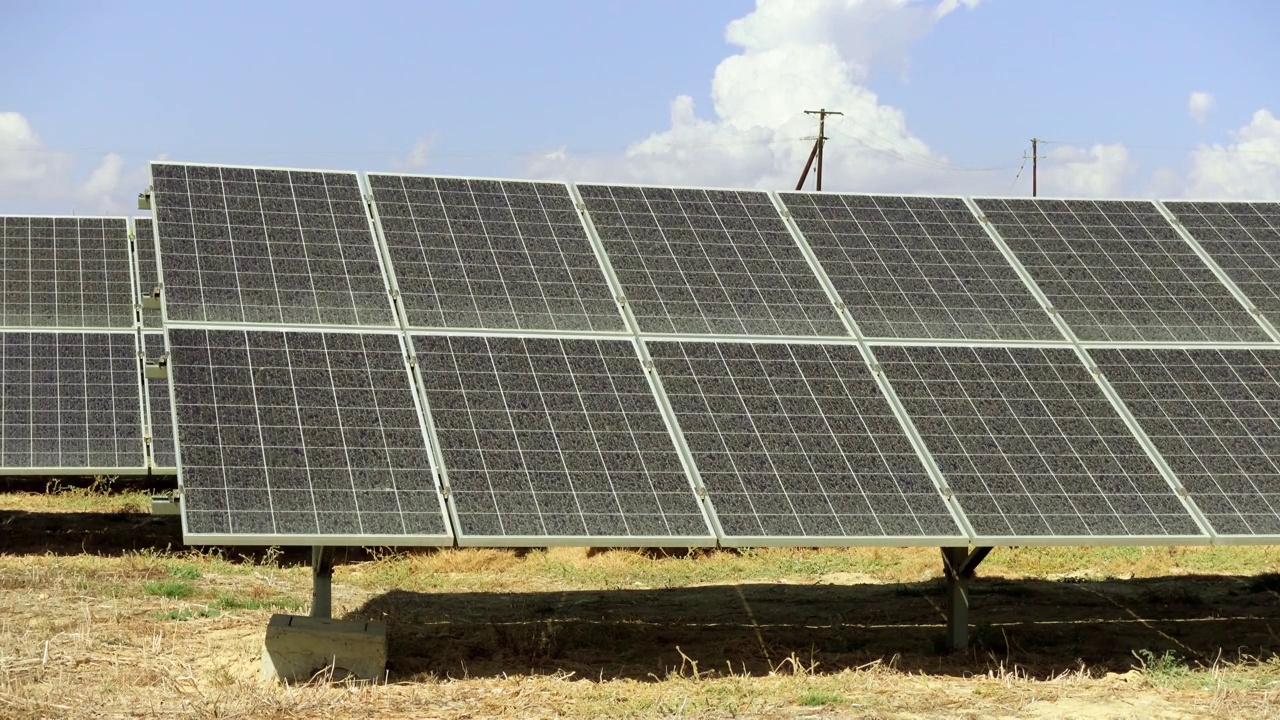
x=1035, y=157
x=817, y=146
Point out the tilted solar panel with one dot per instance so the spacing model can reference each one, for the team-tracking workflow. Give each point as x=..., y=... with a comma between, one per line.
x=1244, y=239
x=159, y=407
x=1214, y=415
x=917, y=267
x=695, y=261
x=504, y=254
x=1118, y=270
x=257, y=245
x=301, y=437
x=69, y=272
x=1031, y=446
x=71, y=401
x=148, y=276
x=549, y=440
x=795, y=442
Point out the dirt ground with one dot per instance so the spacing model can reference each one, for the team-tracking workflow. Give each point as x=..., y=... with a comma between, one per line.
x=103, y=613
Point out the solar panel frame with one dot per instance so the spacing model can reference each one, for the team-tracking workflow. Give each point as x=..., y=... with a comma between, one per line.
x=446, y=539
x=1086, y=326
x=1239, y=273
x=960, y=538
x=1028, y=291
x=404, y=313
x=159, y=409
x=710, y=539
x=649, y=327
x=1204, y=535
x=147, y=276
x=392, y=316
x=139, y=424
x=125, y=319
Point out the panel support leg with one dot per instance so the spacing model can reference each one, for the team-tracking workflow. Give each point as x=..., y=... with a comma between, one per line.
x=958, y=565
x=321, y=582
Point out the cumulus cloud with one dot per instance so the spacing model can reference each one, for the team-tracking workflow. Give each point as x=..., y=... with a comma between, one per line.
x=35, y=178
x=794, y=55
x=1077, y=172
x=418, y=155
x=1246, y=168
x=25, y=163
x=103, y=185
x=1199, y=105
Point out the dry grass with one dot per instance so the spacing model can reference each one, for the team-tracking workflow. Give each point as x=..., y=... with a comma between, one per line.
x=104, y=614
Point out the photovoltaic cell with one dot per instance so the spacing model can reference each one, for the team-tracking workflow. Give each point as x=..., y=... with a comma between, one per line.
x=1244, y=239
x=1215, y=417
x=1118, y=270
x=70, y=272
x=70, y=400
x=148, y=276
x=797, y=441
x=708, y=261
x=917, y=267
x=266, y=246
x=160, y=409
x=492, y=254
x=555, y=438
x=1030, y=444
x=300, y=433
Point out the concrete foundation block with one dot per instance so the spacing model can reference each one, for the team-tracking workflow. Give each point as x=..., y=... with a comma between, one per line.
x=298, y=647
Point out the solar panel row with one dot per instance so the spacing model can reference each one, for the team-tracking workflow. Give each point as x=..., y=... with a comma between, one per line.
x=742, y=407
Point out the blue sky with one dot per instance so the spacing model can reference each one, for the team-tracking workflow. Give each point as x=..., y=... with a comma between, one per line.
x=655, y=91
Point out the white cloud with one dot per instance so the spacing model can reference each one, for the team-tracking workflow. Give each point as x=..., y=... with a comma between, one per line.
x=418, y=155
x=1199, y=105
x=104, y=184
x=1100, y=171
x=795, y=55
x=1246, y=168
x=37, y=179
x=26, y=165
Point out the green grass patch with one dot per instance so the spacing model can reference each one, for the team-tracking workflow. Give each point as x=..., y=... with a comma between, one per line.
x=185, y=571
x=818, y=698
x=278, y=602
x=184, y=614
x=173, y=589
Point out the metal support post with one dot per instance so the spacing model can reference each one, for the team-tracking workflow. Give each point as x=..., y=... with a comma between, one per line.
x=958, y=565
x=321, y=582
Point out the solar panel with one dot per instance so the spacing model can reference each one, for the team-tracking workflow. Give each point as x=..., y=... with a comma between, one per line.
x=544, y=439
x=1215, y=417
x=917, y=267
x=148, y=275
x=796, y=441
x=1118, y=270
x=491, y=254
x=286, y=437
x=1031, y=446
x=159, y=408
x=256, y=245
x=69, y=272
x=708, y=261
x=1244, y=239
x=71, y=401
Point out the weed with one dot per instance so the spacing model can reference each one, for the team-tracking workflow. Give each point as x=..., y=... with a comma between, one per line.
x=184, y=614
x=279, y=602
x=169, y=588
x=185, y=571
x=1167, y=670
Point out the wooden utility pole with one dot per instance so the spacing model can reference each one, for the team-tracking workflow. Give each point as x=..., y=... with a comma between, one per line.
x=817, y=146
x=1035, y=157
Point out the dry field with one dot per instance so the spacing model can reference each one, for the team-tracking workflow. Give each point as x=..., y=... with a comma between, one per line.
x=103, y=613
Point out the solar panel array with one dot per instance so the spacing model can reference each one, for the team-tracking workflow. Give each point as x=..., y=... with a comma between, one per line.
x=66, y=272
x=499, y=362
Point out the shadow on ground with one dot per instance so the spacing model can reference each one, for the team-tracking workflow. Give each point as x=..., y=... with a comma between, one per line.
x=1042, y=627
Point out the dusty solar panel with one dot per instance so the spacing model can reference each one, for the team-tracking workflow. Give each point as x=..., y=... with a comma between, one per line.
x=70, y=401
x=708, y=261
x=159, y=407
x=70, y=272
x=917, y=267
x=544, y=438
x=297, y=435
x=1031, y=446
x=796, y=441
x=1118, y=270
x=492, y=254
x=1214, y=415
x=148, y=276
x=1244, y=239
x=257, y=245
